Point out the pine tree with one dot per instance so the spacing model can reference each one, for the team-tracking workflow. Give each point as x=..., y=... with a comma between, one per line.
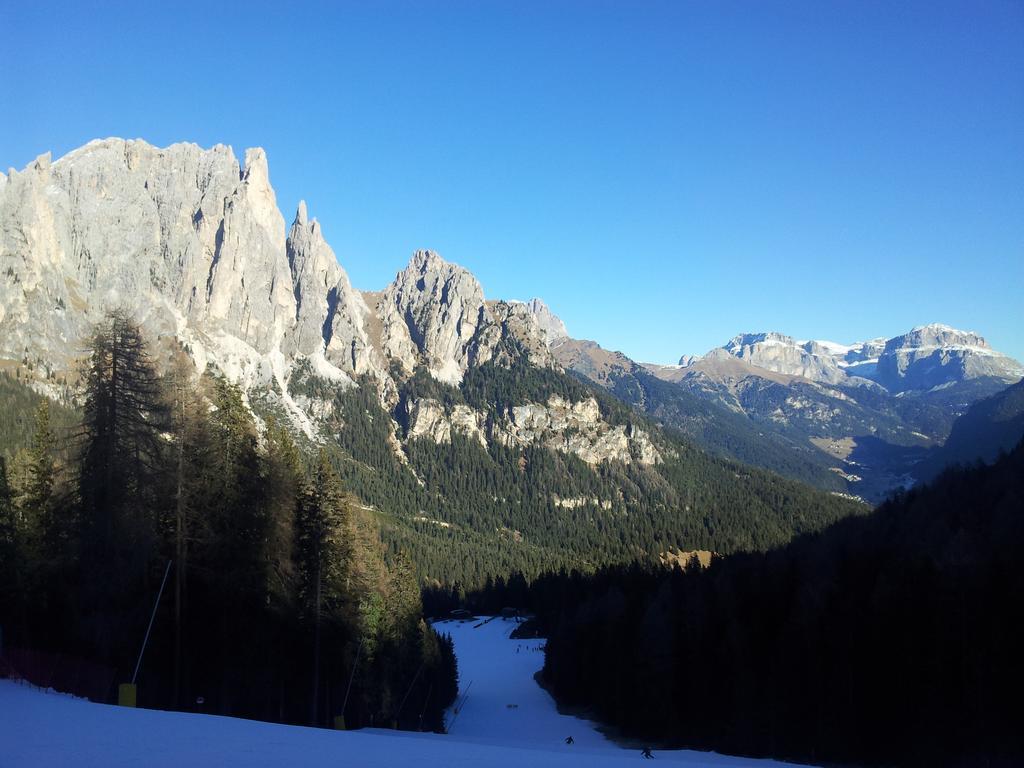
x=190, y=454
x=10, y=555
x=38, y=494
x=120, y=479
x=284, y=481
x=324, y=561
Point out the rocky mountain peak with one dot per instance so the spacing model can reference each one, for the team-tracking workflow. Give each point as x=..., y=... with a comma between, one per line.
x=425, y=260
x=936, y=335
x=43, y=162
x=432, y=311
x=260, y=196
x=783, y=354
x=937, y=355
x=744, y=340
x=550, y=324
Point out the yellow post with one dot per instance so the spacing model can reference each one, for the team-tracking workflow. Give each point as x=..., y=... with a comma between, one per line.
x=339, y=722
x=126, y=693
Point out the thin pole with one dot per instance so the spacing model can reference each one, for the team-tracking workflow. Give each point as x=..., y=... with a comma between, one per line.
x=406, y=697
x=155, y=606
x=426, y=701
x=352, y=675
x=457, y=708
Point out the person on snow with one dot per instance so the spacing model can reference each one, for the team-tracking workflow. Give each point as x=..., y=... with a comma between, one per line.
x=646, y=753
x=568, y=740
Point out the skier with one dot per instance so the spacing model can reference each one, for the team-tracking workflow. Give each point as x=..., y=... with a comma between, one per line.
x=646, y=754
x=568, y=740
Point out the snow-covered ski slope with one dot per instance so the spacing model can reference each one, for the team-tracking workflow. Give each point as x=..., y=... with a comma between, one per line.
x=499, y=699
x=39, y=729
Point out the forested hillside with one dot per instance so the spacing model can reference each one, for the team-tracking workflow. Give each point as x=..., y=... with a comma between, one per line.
x=18, y=405
x=466, y=511
x=281, y=602
x=990, y=426
x=888, y=639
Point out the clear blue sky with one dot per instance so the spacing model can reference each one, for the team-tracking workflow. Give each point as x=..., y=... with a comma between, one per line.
x=664, y=175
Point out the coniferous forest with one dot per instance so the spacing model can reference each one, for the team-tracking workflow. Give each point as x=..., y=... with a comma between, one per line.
x=888, y=639
x=279, y=600
x=466, y=513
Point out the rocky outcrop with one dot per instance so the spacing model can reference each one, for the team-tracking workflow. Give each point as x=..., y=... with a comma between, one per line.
x=783, y=354
x=578, y=502
x=428, y=418
x=568, y=427
x=575, y=428
x=516, y=322
x=432, y=312
x=330, y=316
x=550, y=324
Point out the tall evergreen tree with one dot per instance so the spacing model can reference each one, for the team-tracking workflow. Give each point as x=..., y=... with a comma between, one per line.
x=37, y=501
x=324, y=562
x=120, y=480
x=190, y=457
x=10, y=560
x=284, y=480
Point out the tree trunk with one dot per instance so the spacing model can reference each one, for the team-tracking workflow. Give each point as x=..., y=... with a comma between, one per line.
x=179, y=546
x=315, y=696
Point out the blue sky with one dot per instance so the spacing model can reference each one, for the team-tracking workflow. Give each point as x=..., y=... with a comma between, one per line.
x=664, y=175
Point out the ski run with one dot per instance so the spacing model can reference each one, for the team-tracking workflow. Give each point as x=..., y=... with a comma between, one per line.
x=501, y=719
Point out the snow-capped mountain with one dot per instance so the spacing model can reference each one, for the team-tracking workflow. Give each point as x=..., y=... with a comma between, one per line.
x=928, y=356
x=860, y=415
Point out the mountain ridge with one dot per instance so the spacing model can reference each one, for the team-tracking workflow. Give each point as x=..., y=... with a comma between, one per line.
x=194, y=240
x=443, y=410
x=925, y=357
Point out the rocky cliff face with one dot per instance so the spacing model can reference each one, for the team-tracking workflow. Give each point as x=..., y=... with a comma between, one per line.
x=577, y=428
x=782, y=354
x=550, y=324
x=330, y=316
x=931, y=356
x=182, y=237
x=428, y=418
x=561, y=425
x=191, y=242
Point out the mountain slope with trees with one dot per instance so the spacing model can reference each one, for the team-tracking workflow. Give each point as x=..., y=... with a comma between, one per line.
x=529, y=508
x=990, y=426
x=892, y=638
x=283, y=605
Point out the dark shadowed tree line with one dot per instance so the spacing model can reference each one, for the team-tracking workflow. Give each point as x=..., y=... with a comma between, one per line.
x=890, y=639
x=280, y=603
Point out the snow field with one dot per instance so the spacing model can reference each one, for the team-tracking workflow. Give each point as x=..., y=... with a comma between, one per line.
x=40, y=729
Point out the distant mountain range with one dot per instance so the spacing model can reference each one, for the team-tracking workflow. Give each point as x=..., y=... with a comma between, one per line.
x=855, y=417
x=926, y=358
x=427, y=373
